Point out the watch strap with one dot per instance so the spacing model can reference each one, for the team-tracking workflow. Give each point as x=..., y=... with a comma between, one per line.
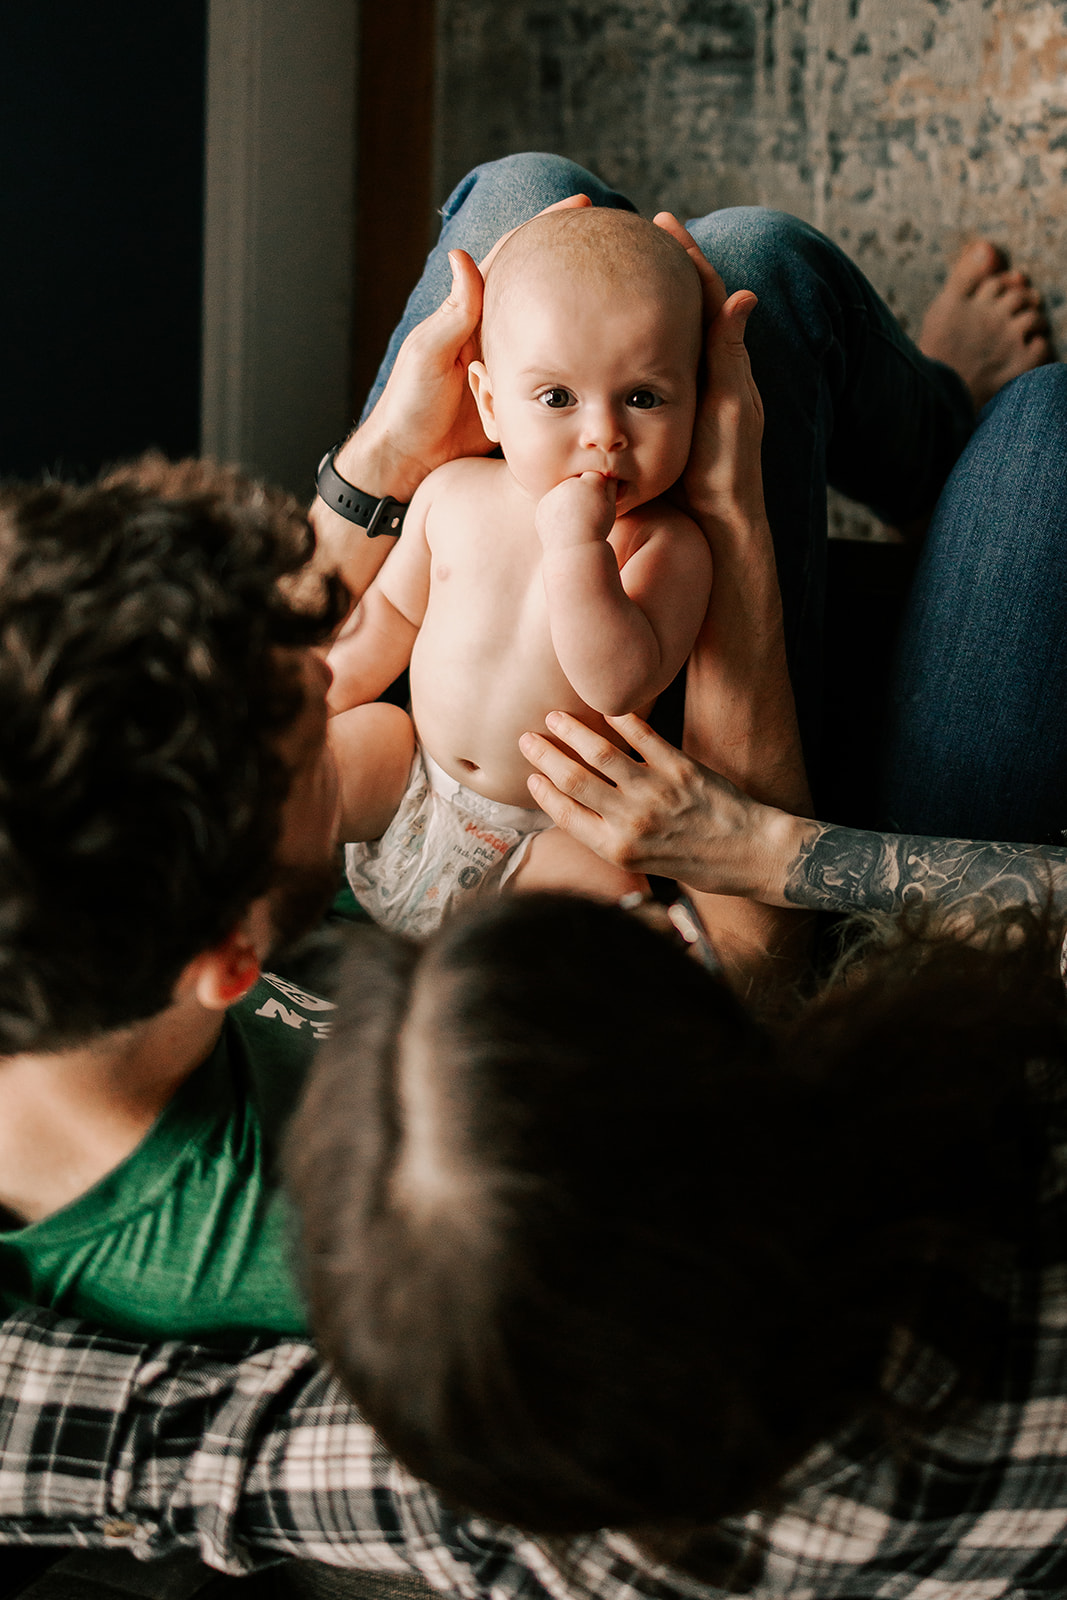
x=366, y=510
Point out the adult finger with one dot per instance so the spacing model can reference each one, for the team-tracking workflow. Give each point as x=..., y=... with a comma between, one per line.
x=576, y=799
x=728, y=361
x=447, y=330
x=653, y=749
x=587, y=780
x=733, y=318
x=712, y=285
x=410, y=404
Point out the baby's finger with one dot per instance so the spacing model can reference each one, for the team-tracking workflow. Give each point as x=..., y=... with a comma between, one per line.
x=606, y=488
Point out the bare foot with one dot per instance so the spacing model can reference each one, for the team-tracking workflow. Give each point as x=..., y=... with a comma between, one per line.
x=987, y=322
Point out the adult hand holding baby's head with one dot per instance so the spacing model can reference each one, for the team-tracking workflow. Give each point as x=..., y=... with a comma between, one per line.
x=426, y=414
x=578, y=511
x=723, y=476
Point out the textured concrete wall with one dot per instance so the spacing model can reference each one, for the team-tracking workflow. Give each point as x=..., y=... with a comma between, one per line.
x=900, y=127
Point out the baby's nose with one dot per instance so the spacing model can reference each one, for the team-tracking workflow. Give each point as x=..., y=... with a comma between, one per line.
x=603, y=428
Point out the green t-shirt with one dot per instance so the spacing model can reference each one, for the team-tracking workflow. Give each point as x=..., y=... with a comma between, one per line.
x=189, y=1236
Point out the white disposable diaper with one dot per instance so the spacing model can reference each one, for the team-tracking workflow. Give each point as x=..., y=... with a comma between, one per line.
x=444, y=841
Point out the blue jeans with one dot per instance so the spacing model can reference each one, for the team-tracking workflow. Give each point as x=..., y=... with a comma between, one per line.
x=848, y=401
x=977, y=739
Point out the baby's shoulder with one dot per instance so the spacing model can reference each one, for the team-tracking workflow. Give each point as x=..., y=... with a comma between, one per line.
x=658, y=518
x=463, y=498
x=463, y=476
x=662, y=534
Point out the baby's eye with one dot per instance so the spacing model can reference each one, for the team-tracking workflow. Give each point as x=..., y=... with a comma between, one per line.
x=644, y=400
x=556, y=399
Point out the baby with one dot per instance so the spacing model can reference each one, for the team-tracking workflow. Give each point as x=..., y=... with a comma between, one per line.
x=554, y=579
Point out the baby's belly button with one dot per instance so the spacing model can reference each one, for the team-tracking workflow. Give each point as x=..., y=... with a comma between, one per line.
x=468, y=766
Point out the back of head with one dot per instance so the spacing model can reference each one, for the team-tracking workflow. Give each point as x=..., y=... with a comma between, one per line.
x=511, y=1165
x=588, y=1251
x=617, y=252
x=144, y=686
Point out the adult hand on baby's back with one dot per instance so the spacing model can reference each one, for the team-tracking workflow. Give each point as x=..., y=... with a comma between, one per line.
x=663, y=814
x=577, y=511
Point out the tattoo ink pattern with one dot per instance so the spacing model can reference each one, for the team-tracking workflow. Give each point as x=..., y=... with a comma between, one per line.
x=850, y=869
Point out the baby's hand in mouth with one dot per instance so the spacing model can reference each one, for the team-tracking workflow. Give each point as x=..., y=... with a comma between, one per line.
x=577, y=511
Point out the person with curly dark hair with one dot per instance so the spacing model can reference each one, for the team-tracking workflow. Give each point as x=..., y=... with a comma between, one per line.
x=167, y=817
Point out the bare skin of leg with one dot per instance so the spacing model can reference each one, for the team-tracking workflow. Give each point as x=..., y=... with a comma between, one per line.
x=555, y=860
x=988, y=322
x=373, y=746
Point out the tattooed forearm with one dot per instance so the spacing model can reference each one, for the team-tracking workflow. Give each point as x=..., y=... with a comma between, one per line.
x=848, y=869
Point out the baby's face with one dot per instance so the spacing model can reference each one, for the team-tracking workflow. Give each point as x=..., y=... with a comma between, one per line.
x=586, y=381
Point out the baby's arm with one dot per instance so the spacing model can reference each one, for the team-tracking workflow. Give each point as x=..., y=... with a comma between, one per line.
x=624, y=613
x=376, y=643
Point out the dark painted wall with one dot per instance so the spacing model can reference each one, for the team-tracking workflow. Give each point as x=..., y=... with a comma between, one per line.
x=101, y=151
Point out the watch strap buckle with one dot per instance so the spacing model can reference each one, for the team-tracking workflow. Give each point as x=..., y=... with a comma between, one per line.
x=375, y=516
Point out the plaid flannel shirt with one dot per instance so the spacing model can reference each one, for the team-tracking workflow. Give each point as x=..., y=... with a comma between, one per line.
x=106, y=1443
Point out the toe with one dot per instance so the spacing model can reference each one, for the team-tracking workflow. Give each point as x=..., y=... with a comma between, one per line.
x=993, y=287
x=1039, y=351
x=1030, y=322
x=975, y=264
x=1013, y=300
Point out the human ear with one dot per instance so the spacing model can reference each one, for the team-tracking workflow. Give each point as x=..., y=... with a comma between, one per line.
x=223, y=975
x=482, y=390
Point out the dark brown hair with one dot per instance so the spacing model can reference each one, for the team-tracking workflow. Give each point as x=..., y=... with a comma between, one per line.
x=144, y=686
x=589, y=1248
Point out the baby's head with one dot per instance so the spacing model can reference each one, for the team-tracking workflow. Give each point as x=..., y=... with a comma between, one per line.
x=591, y=335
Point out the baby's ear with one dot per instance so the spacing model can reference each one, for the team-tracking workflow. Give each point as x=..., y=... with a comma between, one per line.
x=482, y=390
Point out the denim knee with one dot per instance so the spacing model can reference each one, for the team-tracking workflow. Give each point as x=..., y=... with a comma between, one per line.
x=751, y=243
x=527, y=182
x=1034, y=400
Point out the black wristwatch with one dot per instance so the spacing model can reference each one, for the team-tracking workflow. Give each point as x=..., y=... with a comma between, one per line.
x=376, y=516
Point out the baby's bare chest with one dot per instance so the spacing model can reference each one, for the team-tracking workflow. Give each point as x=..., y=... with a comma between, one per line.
x=486, y=582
